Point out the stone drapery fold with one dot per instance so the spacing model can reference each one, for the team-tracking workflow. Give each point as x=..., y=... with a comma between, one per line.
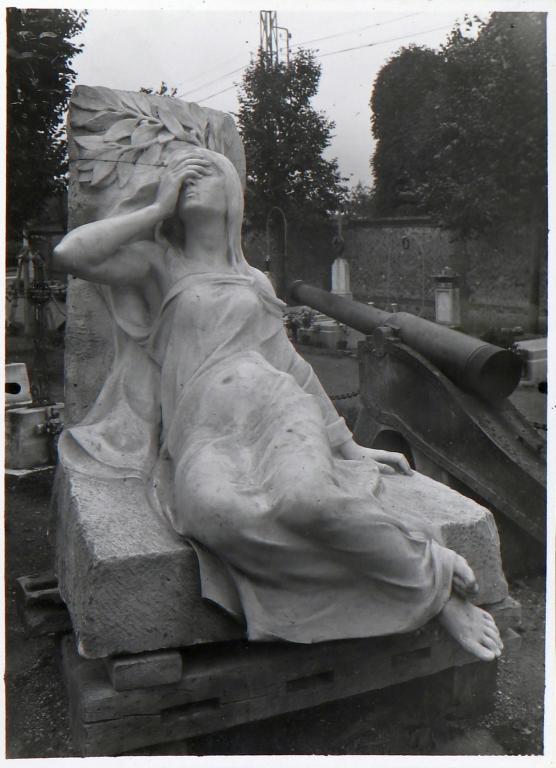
x=236, y=442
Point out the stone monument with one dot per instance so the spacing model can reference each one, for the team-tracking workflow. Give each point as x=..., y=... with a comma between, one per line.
x=208, y=489
x=340, y=282
x=340, y=277
x=129, y=582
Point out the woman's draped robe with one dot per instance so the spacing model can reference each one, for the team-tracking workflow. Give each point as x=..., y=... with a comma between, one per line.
x=236, y=442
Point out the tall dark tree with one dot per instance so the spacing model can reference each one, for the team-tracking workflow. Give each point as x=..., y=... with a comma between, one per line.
x=462, y=130
x=39, y=79
x=284, y=138
x=469, y=146
x=403, y=108
x=359, y=202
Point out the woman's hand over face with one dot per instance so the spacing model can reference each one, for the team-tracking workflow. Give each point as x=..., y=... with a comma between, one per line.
x=179, y=172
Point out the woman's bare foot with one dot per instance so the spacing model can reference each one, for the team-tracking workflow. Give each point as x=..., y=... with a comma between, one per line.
x=473, y=628
x=463, y=580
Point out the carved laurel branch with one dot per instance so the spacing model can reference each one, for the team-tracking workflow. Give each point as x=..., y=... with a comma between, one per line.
x=115, y=130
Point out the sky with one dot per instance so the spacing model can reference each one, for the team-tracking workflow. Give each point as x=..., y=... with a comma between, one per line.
x=202, y=53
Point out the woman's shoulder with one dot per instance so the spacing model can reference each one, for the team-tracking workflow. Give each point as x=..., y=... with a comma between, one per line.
x=262, y=279
x=267, y=292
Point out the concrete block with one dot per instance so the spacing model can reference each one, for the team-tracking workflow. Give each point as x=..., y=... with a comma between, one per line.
x=17, y=387
x=534, y=355
x=26, y=446
x=39, y=605
x=129, y=582
x=144, y=670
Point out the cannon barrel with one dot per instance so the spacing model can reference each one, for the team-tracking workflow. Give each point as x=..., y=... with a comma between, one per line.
x=472, y=364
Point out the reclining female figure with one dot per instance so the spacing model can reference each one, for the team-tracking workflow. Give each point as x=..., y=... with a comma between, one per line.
x=301, y=532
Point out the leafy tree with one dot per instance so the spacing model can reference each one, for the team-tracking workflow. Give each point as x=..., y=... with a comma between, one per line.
x=467, y=142
x=39, y=79
x=470, y=147
x=359, y=202
x=403, y=111
x=284, y=138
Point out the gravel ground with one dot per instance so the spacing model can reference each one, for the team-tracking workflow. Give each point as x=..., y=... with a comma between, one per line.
x=379, y=724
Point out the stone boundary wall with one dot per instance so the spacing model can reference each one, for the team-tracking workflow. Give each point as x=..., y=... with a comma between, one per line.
x=393, y=260
x=309, y=254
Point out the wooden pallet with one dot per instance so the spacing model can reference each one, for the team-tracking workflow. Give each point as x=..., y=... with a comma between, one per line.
x=227, y=684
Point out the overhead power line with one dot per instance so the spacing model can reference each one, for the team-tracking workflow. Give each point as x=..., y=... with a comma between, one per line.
x=298, y=45
x=206, y=98
x=359, y=29
x=346, y=50
x=211, y=82
x=381, y=42
x=212, y=70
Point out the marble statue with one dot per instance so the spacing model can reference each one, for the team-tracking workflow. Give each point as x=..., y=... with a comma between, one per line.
x=300, y=532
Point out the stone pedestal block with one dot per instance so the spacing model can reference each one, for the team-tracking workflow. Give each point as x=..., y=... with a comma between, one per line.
x=129, y=582
x=132, y=585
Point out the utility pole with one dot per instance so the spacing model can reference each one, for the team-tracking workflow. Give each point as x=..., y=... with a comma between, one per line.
x=287, y=35
x=269, y=36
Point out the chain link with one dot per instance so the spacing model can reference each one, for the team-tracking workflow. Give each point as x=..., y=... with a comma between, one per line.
x=346, y=396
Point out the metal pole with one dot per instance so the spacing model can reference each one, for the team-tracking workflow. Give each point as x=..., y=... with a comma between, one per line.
x=288, y=36
x=280, y=278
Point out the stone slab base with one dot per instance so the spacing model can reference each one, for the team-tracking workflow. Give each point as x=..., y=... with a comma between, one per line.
x=129, y=582
x=227, y=684
x=132, y=585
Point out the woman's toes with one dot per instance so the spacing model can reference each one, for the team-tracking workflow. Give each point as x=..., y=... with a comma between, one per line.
x=488, y=618
x=484, y=653
x=491, y=647
x=493, y=636
x=493, y=642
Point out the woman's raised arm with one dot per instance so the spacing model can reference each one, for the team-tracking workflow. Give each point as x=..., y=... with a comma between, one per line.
x=94, y=251
x=91, y=251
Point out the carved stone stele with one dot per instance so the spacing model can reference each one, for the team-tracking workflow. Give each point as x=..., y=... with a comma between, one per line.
x=118, y=143
x=129, y=582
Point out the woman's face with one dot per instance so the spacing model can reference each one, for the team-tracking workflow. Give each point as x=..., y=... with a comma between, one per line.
x=202, y=195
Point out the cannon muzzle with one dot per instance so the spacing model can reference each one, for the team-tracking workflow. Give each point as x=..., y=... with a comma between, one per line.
x=472, y=364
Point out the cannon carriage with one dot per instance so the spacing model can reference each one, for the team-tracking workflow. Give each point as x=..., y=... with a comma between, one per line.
x=442, y=398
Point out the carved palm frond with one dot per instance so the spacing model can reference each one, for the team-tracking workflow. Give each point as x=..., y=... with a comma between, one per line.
x=115, y=130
